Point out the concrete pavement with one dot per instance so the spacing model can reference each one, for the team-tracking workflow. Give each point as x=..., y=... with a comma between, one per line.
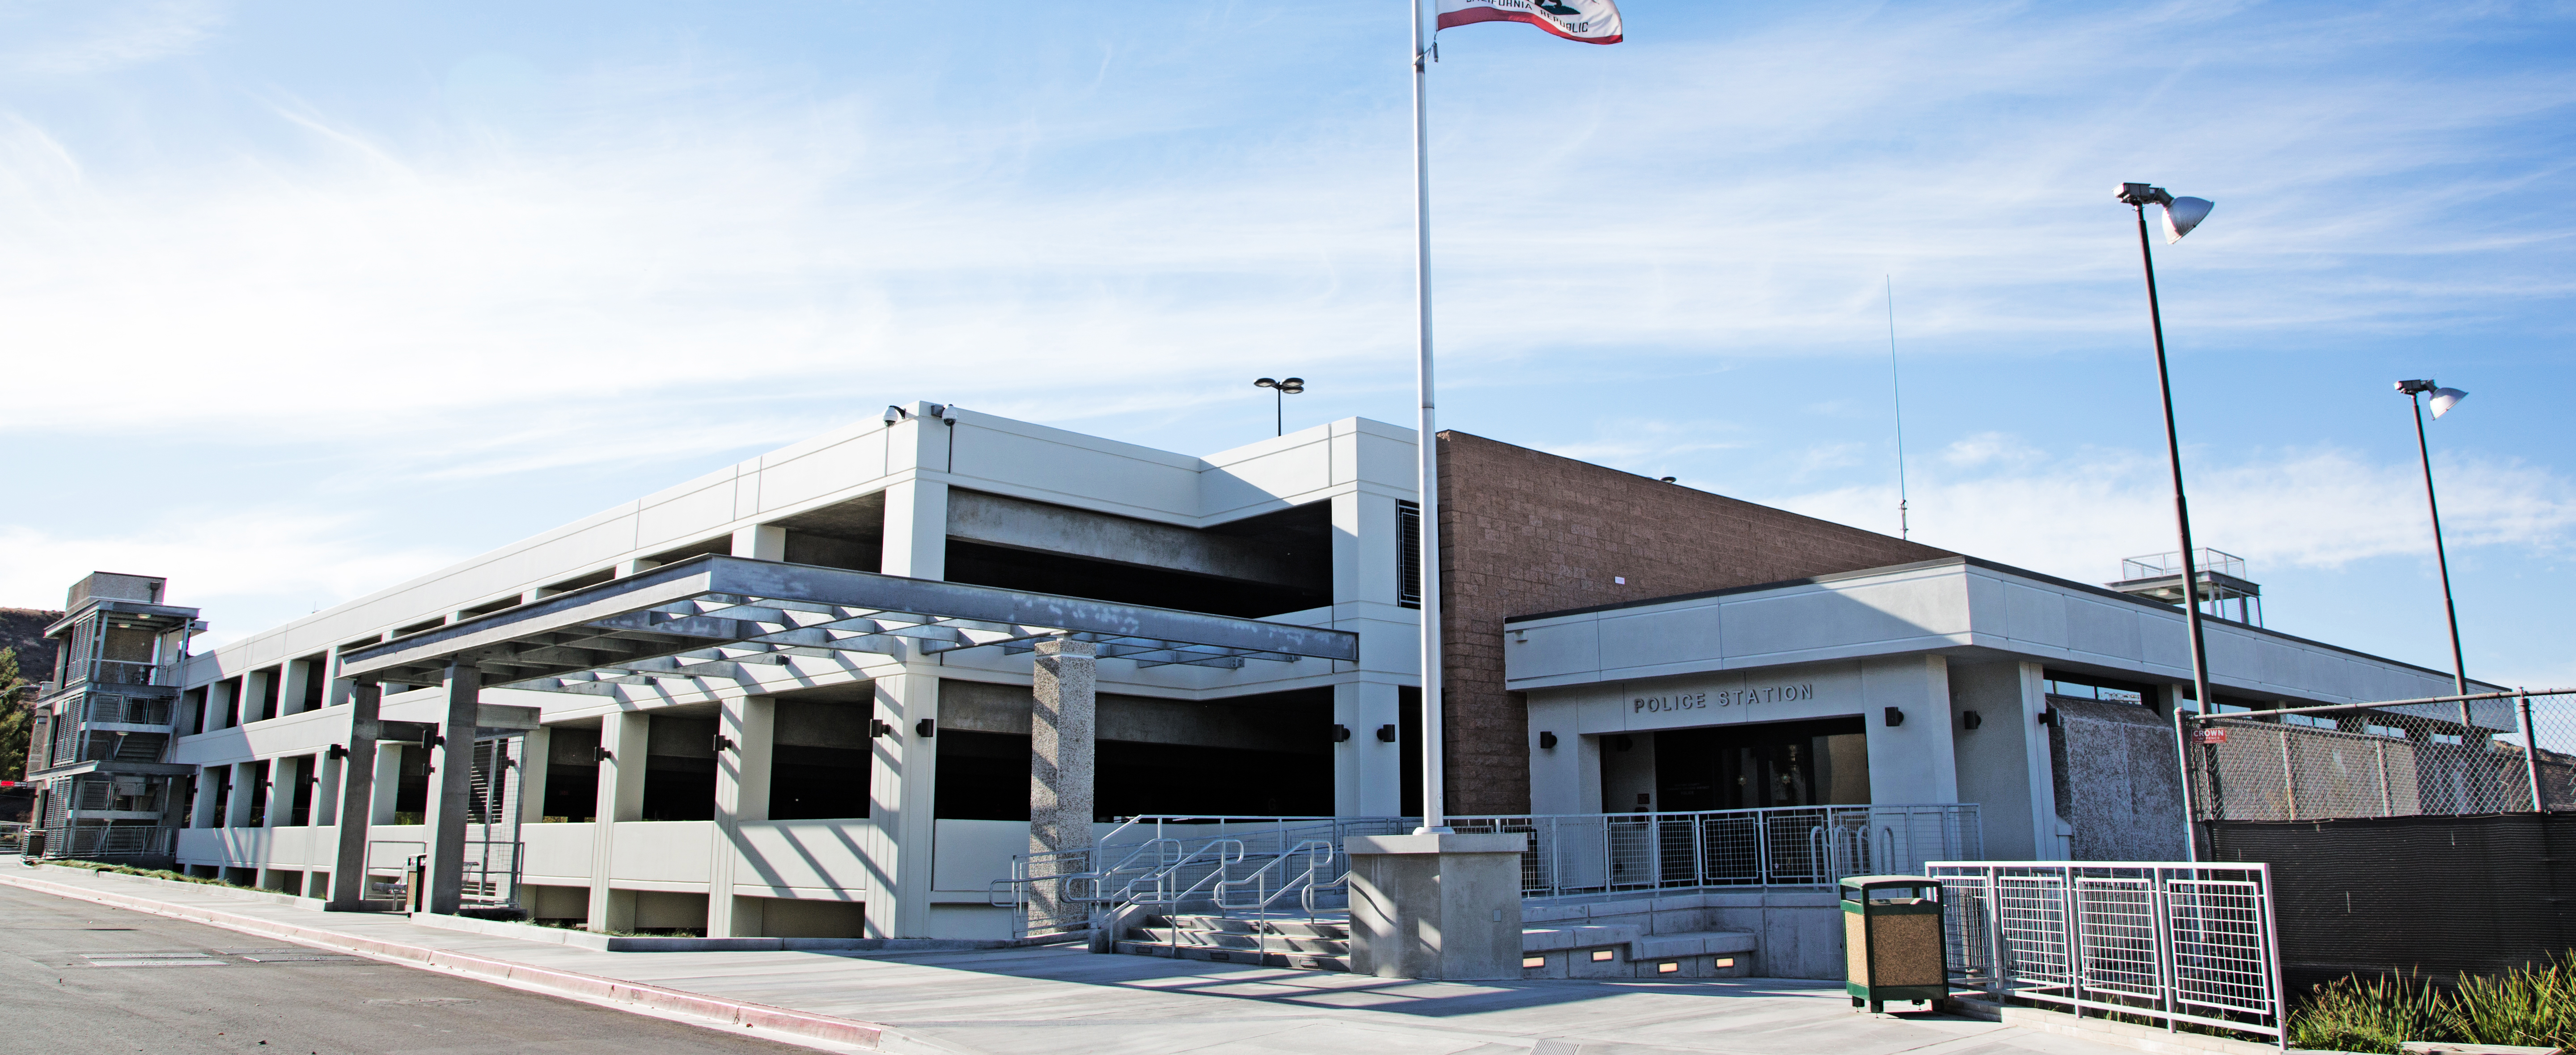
x=1063, y=1001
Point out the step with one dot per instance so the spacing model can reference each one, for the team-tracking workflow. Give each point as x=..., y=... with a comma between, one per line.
x=1282, y=943
x=1299, y=926
x=1294, y=961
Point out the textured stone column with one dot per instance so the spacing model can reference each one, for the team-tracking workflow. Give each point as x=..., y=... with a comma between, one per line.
x=1060, y=768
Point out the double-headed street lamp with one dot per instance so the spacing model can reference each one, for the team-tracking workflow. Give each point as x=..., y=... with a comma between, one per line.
x=1280, y=391
x=2443, y=400
x=2181, y=215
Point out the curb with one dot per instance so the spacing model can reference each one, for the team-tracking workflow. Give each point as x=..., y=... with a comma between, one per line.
x=546, y=980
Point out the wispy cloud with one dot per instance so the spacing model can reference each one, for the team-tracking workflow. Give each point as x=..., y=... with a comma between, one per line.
x=2074, y=512
x=79, y=37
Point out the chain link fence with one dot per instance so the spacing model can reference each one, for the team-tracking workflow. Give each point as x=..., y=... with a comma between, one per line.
x=2447, y=756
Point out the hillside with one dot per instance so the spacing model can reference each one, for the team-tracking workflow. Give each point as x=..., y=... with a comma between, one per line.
x=24, y=629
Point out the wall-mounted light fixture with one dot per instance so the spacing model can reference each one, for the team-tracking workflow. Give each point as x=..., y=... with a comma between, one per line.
x=1895, y=717
x=1971, y=719
x=337, y=751
x=723, y=743
x=1547, y=741
x=1670, y=479
x=926, y=728
x=602, y=754
x=1341, y=733
x=877, y=727
x=2048, y=717
x=1386, y=733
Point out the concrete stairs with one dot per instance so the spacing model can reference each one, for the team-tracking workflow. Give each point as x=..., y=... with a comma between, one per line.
x=1548, y=951
x=1300, y=943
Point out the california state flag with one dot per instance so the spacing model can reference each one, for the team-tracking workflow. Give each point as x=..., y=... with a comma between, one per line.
x=1590, y=21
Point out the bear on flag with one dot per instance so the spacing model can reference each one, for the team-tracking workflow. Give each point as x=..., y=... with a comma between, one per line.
x=1590, y=21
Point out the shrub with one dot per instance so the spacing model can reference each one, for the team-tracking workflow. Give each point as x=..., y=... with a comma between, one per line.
x=2369, y=1014
x=2533, y=1006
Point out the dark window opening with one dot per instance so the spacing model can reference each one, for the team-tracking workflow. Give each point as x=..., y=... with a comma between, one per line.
x=572, y=775
x=721, y=545
x=1408, y=740
x=820, y=762
x=188, y=804
x=1408, y=570
x=272, y=680
x=985, y=776
x=317, y=680
x=259, y=795
x=192, y=711
x=1810, y=763
x=680, y=770
x=411, y=788
x=578, y=582
x=419, y=627
x=299, y=810
x=489, y=607
x=988, y=565
x=223, y=798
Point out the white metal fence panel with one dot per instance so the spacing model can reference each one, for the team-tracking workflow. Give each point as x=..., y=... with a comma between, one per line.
x=2180, y=943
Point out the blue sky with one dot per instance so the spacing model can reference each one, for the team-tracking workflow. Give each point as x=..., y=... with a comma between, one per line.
x=300, y=299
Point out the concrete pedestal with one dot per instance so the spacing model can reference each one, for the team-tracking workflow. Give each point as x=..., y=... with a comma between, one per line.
x=1436, y=906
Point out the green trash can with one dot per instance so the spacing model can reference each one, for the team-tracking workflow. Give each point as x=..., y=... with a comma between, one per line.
x=1893, y=941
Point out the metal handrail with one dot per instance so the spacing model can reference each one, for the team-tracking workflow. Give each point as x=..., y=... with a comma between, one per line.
x=1320, y=854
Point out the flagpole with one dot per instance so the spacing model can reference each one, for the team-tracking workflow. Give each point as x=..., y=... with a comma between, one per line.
x=1434, y=811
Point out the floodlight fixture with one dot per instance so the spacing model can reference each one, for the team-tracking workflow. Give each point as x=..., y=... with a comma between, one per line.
x=2181, y=214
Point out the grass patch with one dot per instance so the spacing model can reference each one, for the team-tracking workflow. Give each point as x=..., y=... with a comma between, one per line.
x=2531, y=1006
x=150, y=873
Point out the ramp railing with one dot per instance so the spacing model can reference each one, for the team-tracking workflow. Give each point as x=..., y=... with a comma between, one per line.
x=2169, y=942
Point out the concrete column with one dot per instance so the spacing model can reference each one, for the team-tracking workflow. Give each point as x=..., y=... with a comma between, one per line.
x=916, y=529
x=623, y=738
x=202, y=811
x=2049, y=831
x=282, y=775
x=1367, y=772
x=1061, y=744
x=217, y=694
x=747, y=723
x=254, y=696
x=902, y=796
x=760, y=542
x=388, y=768
x=326, y=791
x=245, y=778
x=292, y=677
x=451, y=789
x=532, y=775
x=1436, y=906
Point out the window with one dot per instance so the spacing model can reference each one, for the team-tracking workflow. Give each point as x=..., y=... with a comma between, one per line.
x=2386, y=730
x=2311, y=720
x=1408, y=569
x=2066, y=685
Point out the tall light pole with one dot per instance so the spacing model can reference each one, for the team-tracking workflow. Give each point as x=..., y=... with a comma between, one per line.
x=2443, y=400
x=1280, y=391
x=2181, y=215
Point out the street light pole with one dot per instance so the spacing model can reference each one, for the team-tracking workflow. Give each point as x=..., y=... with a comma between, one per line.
x=2138, y=196
x=2443, y=400
x=1280, y=390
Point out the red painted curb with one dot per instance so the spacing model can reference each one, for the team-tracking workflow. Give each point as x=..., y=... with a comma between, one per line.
x=527, y=976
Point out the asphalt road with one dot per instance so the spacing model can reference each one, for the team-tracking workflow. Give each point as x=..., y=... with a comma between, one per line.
x=82, y=978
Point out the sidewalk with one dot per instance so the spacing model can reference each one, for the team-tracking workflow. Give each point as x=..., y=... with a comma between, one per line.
x=1064, y=1001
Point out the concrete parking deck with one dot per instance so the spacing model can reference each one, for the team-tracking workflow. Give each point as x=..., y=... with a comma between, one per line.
x=1064, y=1001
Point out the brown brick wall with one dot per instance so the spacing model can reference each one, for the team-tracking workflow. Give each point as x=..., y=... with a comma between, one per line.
x=1523, y=532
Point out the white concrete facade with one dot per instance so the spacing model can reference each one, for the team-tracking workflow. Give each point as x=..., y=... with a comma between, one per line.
x=1929, y=641
x=915, y=875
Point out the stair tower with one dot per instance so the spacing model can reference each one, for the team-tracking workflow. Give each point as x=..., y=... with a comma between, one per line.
x=99, y=751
